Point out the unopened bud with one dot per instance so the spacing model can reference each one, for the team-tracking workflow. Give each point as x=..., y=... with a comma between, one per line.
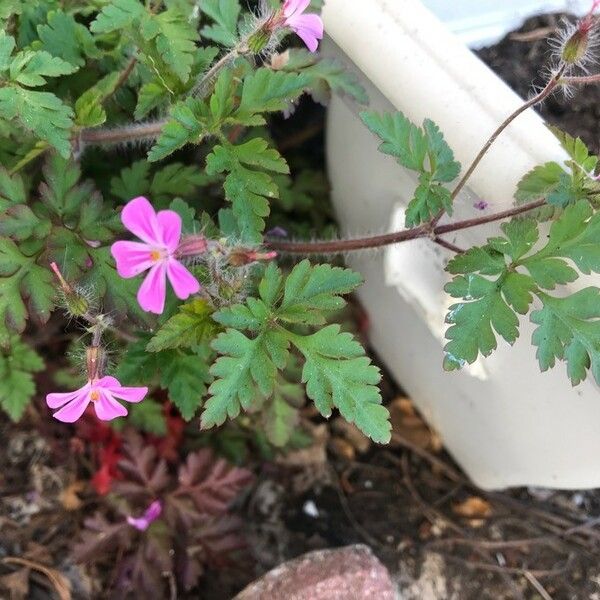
x=76, y=303
x=260, y=39
x=244, y=256
x=576, y=46
x=192, y=245
x=95, y=362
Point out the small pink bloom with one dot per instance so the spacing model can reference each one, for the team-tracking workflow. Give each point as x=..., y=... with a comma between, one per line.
x=150, y=515
x=160, y=233
x=102, y=393
x=308, y=27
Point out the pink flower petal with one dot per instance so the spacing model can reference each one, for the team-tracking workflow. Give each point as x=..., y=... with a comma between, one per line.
x=132, y=258
x=169, y=223
x=107, y=382
x=141, y=523
x=70, y=412
x=107, y=408
x=291, y=7
x=309, y=28
x=140, y=218
x=153, y=291
x=56, y=400
x=183, y=282
x=129, y=394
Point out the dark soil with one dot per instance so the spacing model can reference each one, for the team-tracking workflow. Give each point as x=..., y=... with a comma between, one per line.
x=521, y=64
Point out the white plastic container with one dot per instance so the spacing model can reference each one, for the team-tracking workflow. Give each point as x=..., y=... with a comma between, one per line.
x=504, y=422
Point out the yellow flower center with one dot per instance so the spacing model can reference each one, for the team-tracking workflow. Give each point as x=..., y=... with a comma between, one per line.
x=95, y=396
x=155, y=255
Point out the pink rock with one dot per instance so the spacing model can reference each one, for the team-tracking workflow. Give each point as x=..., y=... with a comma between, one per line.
x=351, y=573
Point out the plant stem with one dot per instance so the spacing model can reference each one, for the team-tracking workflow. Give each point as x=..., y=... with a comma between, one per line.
x=123, y=77
x=540, y=97
x=583, y=80
x=550, y=86
x=379, y=241
x=128, y=133
x=448, y=245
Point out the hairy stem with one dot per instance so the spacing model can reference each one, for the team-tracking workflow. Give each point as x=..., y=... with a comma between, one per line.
x=379, y=241
x=128, y=133
x=554, y=82
x=583, y=80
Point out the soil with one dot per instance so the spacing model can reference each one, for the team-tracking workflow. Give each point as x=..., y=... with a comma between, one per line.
x=440, y=537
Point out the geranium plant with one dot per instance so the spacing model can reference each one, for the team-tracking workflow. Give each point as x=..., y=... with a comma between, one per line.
x=135, y=154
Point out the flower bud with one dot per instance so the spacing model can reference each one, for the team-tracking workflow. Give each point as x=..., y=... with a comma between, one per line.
x=260, y=39
x=576, y=47
x=240, y=257
x=76, y=302
x=192, y=245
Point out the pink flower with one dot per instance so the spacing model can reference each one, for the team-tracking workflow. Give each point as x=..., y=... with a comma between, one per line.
x=160, y=233
x=102, y=393
x=150, y=515
x=308, y=27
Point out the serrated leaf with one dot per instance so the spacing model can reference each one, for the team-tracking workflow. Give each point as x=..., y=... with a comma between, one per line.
x=191, y=326
x=150, y=96
x=62, y=36
x=248, y=190
x=423, y=150
x=225, y=14
x=185, y=125
x=577, y=150
x=41, y=113
x=569, y=329
x=12, y=190
x=327, y=75
x=31, y=68
x=474, y=324
x=266, y=90
x=17, y=364
x=26, y=289
x=312, y=292
x=539, y=182
x=117, y=15
x=337, y=373
x=132, y=181
x=177, y=179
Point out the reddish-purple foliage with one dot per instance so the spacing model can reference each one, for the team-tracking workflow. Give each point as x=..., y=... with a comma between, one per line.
x=194, y=529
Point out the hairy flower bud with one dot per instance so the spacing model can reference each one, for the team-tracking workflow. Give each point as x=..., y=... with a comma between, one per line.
x=76, y=301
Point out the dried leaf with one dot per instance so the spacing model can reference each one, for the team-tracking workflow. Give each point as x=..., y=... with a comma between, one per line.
x=473, y=507
x=17, y=584
x=69, y=497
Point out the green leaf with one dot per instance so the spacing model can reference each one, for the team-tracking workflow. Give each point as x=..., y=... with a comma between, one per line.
x=400, y=138
x=569, y=330
x=17, y=364
x=429, y=199
x=176, y=42
x=540, y=182
x=117, y=15
x=41, y=113
x=423, y=150
x=150, y=96
x=577, y=150
x=574, y=236
x=184, y=374
x=225, y=14
x=191, y=326
x=337, y=373
x=266, y=90
x=177, y=179
x=281, y=414
x=12, y=190
x=26, y=289
x=31, y=68
x=247, y=189
x=89, y=111
x=312, y=292
x=62, y=36
x=7, y=45
x=132, y=181
x=473, y=324
x=185, y=126
x=327, y=75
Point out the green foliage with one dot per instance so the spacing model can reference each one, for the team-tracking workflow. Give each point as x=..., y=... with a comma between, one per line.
x=190, y=327
x=247, y=186
x=336, y=371
x=148, y=416
x=498, y=282
x=225, y=14
x=182, y=372
x=423, y=150
x=42, y=113
x=18, y=362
